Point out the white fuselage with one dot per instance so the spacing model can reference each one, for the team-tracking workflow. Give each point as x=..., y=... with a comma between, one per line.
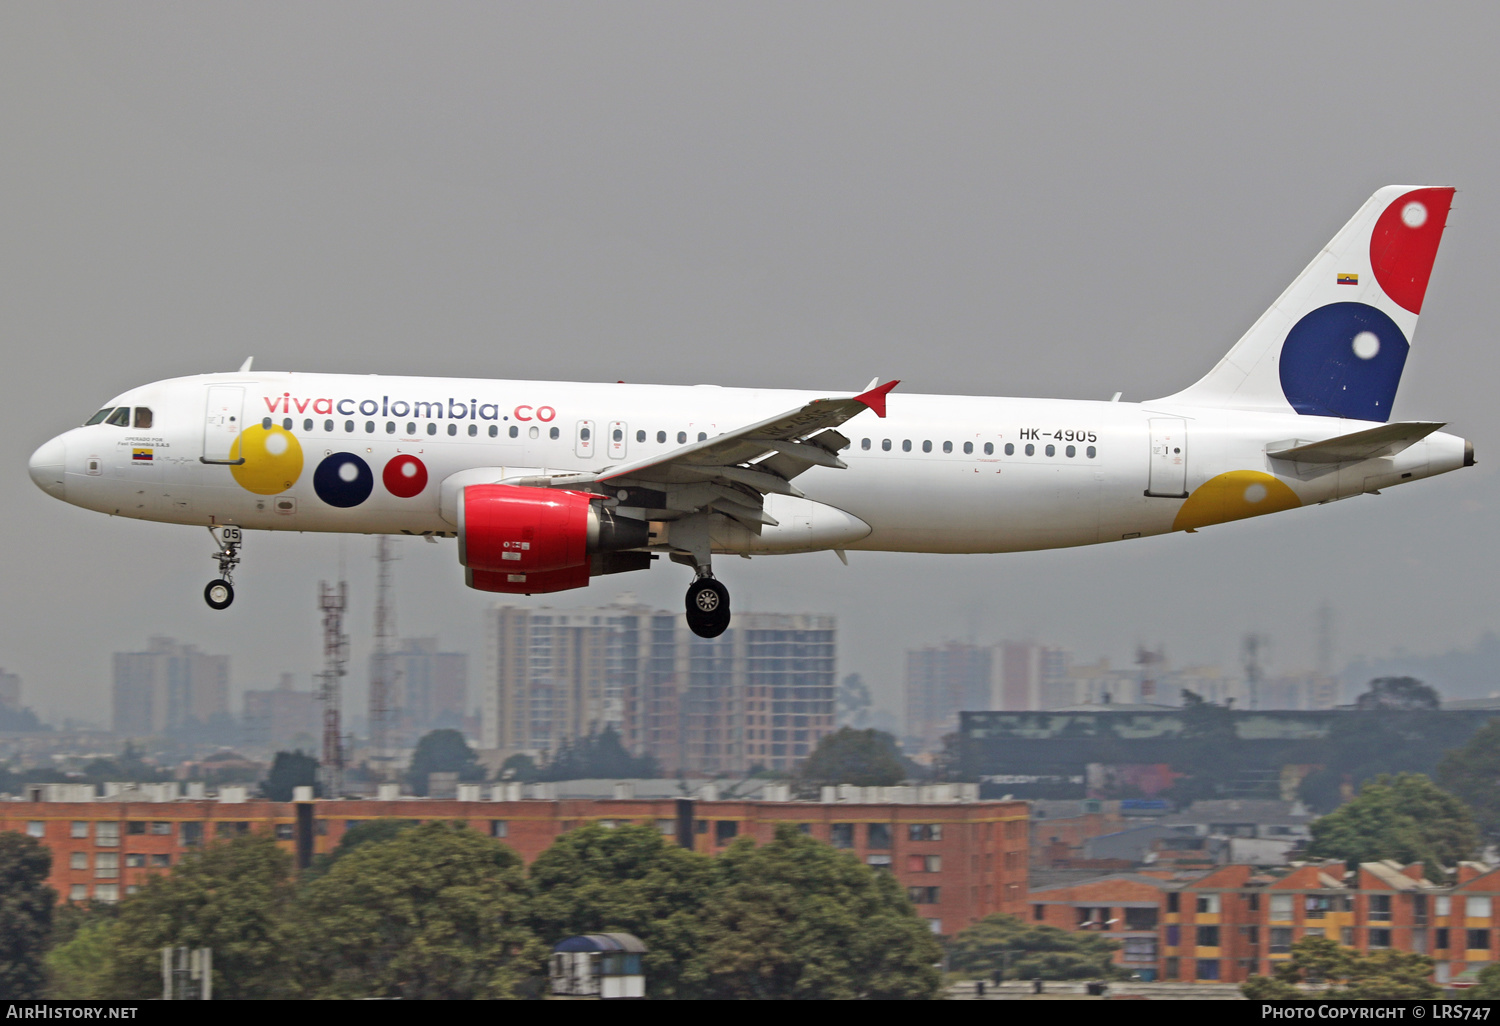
x=934, y=475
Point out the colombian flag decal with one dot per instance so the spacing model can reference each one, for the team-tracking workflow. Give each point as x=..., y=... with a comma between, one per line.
x=140, y=455
x=1348, y=279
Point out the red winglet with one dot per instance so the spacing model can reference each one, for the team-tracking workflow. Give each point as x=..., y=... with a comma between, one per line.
x=875, y=397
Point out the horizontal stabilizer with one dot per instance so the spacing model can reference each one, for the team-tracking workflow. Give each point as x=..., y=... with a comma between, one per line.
x=1372, y=443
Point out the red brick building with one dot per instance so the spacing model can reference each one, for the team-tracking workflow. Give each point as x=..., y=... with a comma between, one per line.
x=959, y=861
x=1228, y=923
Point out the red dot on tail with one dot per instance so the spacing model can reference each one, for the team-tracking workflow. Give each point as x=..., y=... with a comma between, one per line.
x=1405, y=243
x=404, y=477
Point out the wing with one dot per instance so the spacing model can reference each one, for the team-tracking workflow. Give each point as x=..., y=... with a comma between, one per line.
x=732, y=472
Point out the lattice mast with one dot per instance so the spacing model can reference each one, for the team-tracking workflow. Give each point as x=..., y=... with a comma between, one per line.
x=332, y=600
x=382, y=664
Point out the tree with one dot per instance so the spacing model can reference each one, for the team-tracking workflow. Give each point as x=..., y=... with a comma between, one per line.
x=867, y=758
x=1028, y=951
x=291, y=770
x=1472, y=774
x=442, y=751
x=1487, y=987
x=435, y=912
x=234, y=897
x=26, y=904
x=597, y=755
x=798, y=919
x=1398, y=693
x=78, y=966
x=521, y=768
x=628, y=880
x=1406, y=818
x=853, y=701
x=1348, y=975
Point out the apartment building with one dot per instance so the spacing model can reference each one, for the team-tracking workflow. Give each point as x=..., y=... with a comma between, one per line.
x=958, y=860
x=168, y=686
x=1231, y=922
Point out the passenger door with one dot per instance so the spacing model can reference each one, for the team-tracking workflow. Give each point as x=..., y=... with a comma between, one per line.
x=223, y=422
x=1168, y=474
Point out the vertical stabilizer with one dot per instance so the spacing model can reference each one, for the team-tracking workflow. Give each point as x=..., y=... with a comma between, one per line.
x=1334, y=344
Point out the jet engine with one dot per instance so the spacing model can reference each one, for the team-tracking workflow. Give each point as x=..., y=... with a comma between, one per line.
x=527, y=541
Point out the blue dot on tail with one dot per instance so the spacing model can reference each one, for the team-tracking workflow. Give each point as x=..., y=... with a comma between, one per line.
x=343, y=480
x=1343, y=360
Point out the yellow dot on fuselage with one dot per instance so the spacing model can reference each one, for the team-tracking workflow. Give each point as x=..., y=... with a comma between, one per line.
x=1234, y=496
x=273, y=459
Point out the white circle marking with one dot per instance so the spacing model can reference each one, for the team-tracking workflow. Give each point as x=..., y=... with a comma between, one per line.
x=348, y=472
x=1255, y=493
x=408, y=469
x=1414, y=214
x=276, y=443
x=1366, y=345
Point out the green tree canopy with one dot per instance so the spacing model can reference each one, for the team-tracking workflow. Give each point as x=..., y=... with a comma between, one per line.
x=628, y=880
x=1028, y=951
x=442, y=751
x=1487, y=987
x=26, y=904
x=798, y=919
x=1345, y=974
x=597, y=755
x=1405, y=817
x=78, y=964
x=1398, y=693
x=232, y=897
x=1472, y=774
x=520, y=767
x=290, y=770
x=434, y=912
x=867, y=758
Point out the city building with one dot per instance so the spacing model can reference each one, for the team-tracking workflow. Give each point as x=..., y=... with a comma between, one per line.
x=941, y=681
x=283, y=719
x=431, y=688
x=167, y=687
x=10, y=692
x=760, y=694
x=958, y=860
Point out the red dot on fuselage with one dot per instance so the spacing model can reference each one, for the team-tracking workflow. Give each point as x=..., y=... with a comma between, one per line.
x=404, y=477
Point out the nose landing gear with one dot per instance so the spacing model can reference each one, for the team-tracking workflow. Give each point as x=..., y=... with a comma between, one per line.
x=220, y=593
x=707, y=607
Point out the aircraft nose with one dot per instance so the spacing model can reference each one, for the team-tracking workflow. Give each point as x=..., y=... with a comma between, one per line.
x=48, y=467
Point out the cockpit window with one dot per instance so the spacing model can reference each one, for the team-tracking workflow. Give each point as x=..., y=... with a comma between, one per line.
x=120, y=418
x=143, y=416
x=98, y=418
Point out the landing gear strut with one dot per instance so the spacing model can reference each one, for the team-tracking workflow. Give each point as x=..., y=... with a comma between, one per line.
x=707, y=607
x=220, y=593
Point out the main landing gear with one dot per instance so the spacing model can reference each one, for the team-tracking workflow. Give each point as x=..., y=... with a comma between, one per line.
x=220, y=593
x=707, y=607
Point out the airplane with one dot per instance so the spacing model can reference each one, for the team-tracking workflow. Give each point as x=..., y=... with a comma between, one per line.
x=548, y=484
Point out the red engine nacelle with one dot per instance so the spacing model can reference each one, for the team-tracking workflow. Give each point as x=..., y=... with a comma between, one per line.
x=527, y=541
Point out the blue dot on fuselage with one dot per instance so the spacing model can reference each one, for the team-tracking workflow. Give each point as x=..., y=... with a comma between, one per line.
x=343, y=480
x=1343, y=360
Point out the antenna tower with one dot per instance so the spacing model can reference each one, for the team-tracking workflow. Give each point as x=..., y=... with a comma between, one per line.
x=332, y=601
x=383, y=678
x=1150, y=661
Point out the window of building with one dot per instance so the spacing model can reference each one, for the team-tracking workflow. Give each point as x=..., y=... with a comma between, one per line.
x=191, y=833
x=501, y=827
x=1477, y=908
x=78, y=892
x=923, y=895
x=1252, y=934
x=135, y=826
x=1475, y=940
x=1140, y=949
x=1207, y=937
x=1346, y=936
x=841, y=835
x=935, y=925
x=1140, y=919
x=1440, y=938
x=924, y=831
x=80, y=828
x=1380, y=937
x=107, y=892
x=107, y=835
x=1252, y=902
x=878, y=835
x=1281, y=908
x=36, y=828
x=1209, y=904
x=161, y=829
x=804, y=828
x=107, y=865
x=878, y=861
x=1380, y=908
x=924, y=863
x=1281, y=940
x=1174, y=935
x=78, y=860
x=1173, y=899
x=135, y=861
x=1170, y=969
x=232, y=828
x=1317, y=906
x=160, y=861
x=1208, y=968
x=1419, y=941
x=286, y=832
x=1039, y=912
x=725, y=830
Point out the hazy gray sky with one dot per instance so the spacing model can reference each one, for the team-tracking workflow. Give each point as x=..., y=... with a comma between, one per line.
x=1012, y=199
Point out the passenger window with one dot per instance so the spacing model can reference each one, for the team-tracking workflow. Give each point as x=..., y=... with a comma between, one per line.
x=98, y=418
x=681, y=437
x=1070, y=452
x=885, y=445
x=515, y=432
x=661, y=436
x=968, y=448
x=927, y=446
x=328, y=425
x=554, y=434
x=120, y=418
x=411, y=428
x=348, y=427
x=1030, y=449
x=535, y=432
x=583, y=433
x=640, y=436
x=619, y=435
x=307, y=425
x=702, y=436
x=287, y=424
x=369, y=427
x=143, y=416
x=431, y=428
x=452, y=429
x=266, y=423
x=906, y=445
x=390, y=427
x=1051, y=450
x=1090, y=452
x=494, y=430
x=864, y=443
x=473, y=430
x=989, y=448
x=947, y=446
x=1010, y=450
